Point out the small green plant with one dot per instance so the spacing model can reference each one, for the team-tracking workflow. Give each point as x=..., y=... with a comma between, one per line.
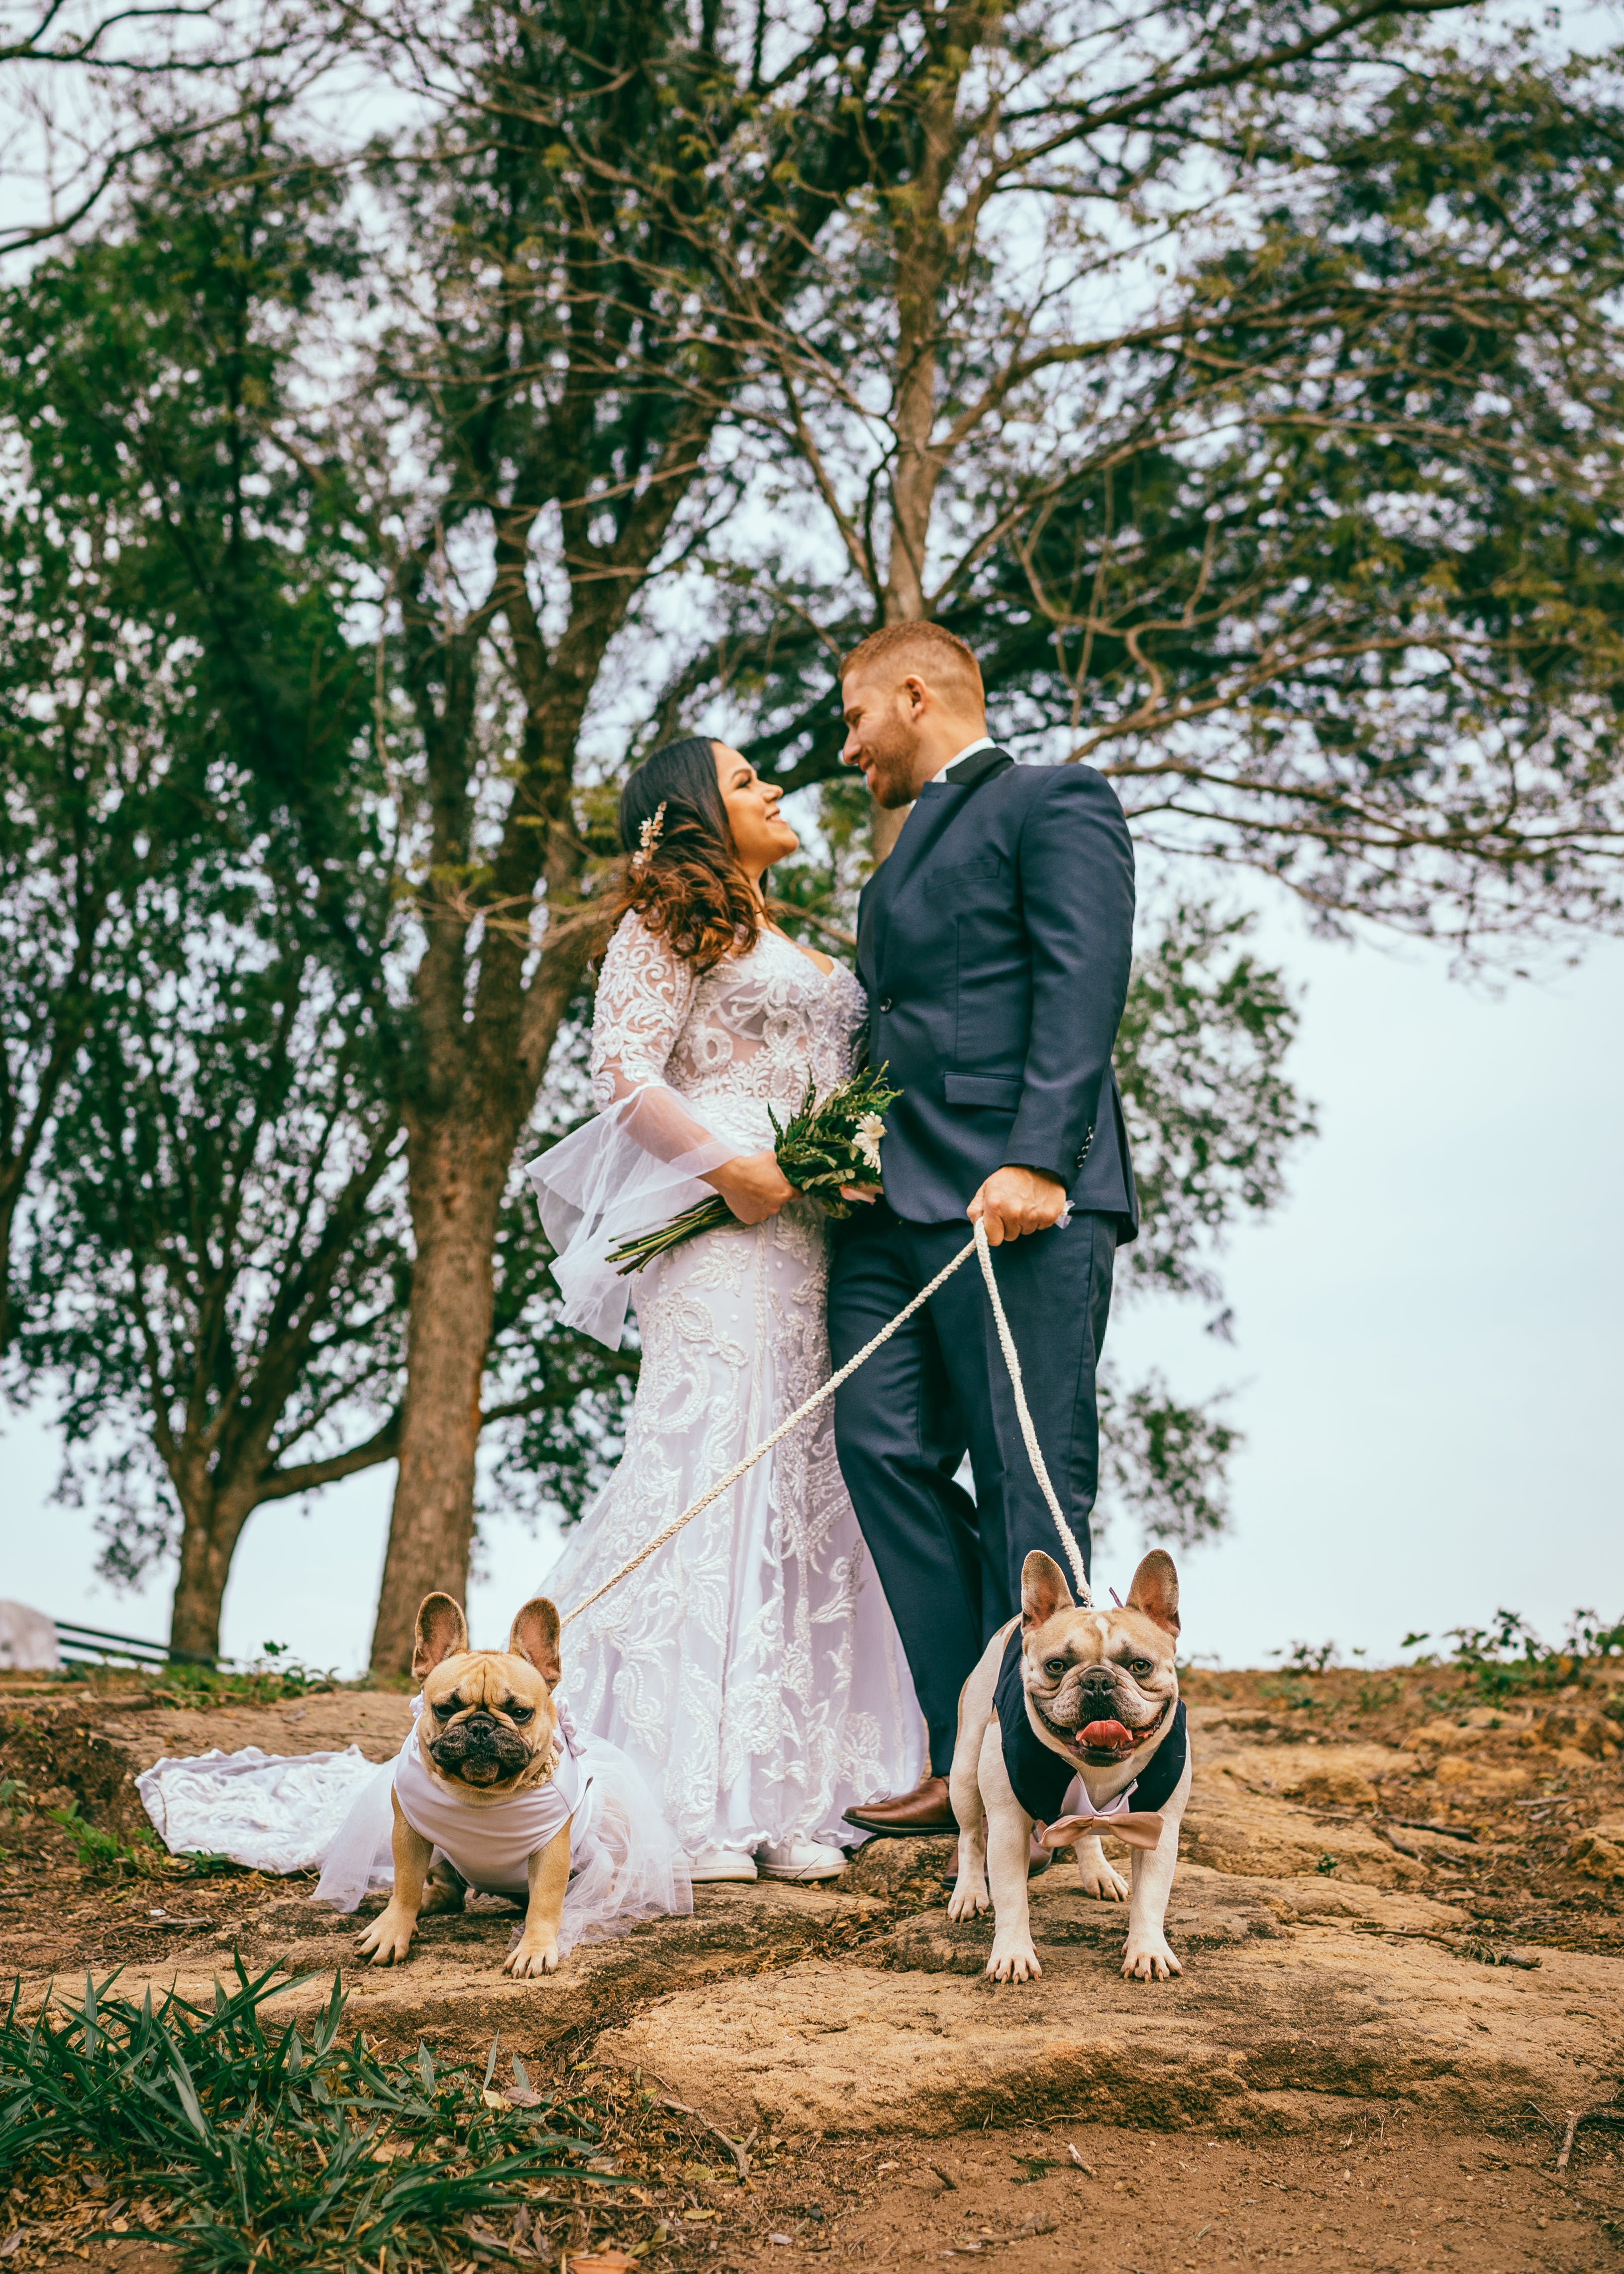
x=105, y=1851
x=1374, y=1696
x=15, y=1799
x=1325, y=1866
x=267, y=1680
x=1306, y=1657
x=1296, y=1697
x=287, y=2154
x=206, y=1865
x=1507, y=1659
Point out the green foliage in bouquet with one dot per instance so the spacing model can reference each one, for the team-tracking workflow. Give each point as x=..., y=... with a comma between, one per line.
x=826, y=1145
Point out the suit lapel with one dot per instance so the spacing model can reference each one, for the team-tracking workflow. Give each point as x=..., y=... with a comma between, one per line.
x=934, y=809
x=931, y=814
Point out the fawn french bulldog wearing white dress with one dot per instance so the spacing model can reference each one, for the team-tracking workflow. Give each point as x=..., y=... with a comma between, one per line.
x=488, y=1781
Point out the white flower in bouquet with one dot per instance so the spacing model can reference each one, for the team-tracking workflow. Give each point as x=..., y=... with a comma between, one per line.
x=866, y=1135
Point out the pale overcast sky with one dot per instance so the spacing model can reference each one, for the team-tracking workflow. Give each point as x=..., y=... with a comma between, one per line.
x=1426, y=1369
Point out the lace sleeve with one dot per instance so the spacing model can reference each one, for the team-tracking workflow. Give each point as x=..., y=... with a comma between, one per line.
x=644, y=1156
x=645, y=995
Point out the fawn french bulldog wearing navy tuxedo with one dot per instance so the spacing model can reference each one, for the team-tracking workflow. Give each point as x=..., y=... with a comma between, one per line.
x=994, y=945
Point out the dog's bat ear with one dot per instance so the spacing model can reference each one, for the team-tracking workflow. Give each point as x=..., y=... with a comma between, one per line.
x=1043, y=1589
x=1155, y=1589
x=535, y=1636
x=443, y=1632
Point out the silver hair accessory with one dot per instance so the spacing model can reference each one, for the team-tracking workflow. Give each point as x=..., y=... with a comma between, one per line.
x=648, y=837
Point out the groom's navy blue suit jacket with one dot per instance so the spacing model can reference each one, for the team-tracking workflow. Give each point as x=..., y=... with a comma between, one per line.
x=994, y=945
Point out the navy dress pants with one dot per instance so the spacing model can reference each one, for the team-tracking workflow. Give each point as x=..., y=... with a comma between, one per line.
x=951, y=1564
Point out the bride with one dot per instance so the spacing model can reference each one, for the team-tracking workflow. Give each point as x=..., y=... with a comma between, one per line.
x=751, y=1668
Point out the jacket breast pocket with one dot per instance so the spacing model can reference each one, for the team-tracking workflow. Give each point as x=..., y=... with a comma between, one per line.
x=1001, y=1092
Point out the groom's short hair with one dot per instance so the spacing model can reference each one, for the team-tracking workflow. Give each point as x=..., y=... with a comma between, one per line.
x=930, y=650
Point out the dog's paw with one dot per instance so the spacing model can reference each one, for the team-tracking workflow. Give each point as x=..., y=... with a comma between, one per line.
x=1097, y=1877
x=388, y=1938
x=1148, y=1959
x=1105, y=1885
x=968, y=1900
x=528, y=1958
x=1013, y=1960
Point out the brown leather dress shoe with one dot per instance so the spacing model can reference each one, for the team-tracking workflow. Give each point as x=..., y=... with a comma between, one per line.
x=926, y=1808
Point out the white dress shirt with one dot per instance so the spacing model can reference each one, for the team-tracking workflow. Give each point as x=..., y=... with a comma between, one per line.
x=982, y=742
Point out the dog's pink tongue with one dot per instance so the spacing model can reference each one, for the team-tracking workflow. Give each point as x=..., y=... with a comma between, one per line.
x=1106, y=1737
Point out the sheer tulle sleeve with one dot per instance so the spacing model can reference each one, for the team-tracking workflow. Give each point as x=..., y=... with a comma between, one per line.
x=641, y=1161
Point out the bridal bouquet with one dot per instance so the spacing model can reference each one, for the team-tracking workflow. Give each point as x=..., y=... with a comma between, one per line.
x=827, y=1144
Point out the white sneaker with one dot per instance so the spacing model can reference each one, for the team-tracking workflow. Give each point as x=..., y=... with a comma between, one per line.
x=721, y=1863
x=800, y=1859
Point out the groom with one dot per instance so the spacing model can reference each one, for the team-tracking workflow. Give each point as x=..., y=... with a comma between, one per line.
x=993, y=946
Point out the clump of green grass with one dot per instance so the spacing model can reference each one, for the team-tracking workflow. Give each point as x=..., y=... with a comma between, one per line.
x=1296, y=1697
x=1508, y=1660
x=280, y=2152
x=104, y=1852
x=1375, y=1696
x=276, y=1677
x=1308, y=1658
x=106, y=1855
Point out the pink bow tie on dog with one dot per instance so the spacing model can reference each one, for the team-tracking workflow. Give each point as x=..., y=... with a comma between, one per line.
x=1138, y=1830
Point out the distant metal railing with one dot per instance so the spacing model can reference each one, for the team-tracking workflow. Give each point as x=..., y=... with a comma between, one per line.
x=79, y=1646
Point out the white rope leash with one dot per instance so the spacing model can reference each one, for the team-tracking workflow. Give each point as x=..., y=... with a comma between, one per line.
x=1034, y=1451
x=725, y=1484
x=978, y=1247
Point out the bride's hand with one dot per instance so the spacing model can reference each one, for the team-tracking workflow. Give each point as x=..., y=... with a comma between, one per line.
x=869, y=1193
x=754, y=1185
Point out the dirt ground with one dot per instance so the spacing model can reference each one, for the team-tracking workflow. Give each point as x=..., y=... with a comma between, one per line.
x=1400, y=1912
x=1398, y=2195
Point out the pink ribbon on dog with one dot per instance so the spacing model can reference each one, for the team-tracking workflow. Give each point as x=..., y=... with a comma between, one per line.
x=1139, y=1830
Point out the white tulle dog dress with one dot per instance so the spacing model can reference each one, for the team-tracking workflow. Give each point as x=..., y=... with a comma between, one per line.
x=626, y=1863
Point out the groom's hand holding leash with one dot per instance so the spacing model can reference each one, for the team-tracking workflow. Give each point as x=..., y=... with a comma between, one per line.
x=1016, y=1200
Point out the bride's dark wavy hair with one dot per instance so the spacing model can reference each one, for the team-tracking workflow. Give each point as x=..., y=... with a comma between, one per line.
x=691, y=889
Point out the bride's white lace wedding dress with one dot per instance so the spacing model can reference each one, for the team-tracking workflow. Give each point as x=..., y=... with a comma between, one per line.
x=752, y=1668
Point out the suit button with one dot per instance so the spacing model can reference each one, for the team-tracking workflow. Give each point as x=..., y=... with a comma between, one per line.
x=885, y=1002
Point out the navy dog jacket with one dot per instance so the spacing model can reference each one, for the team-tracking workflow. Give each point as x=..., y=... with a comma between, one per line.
x=1042, y=1778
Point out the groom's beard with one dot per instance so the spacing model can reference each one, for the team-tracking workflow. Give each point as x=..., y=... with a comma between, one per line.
x=892, y=756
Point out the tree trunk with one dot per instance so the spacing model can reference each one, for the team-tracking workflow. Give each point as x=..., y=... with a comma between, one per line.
x=11, y=1194
x=218, y=1491
x=456, y=1199
x=923, y=259
x=207, y=1542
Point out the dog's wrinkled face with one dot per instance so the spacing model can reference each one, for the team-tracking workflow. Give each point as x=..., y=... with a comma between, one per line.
x=488, y=1723
x=1100, y=1683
